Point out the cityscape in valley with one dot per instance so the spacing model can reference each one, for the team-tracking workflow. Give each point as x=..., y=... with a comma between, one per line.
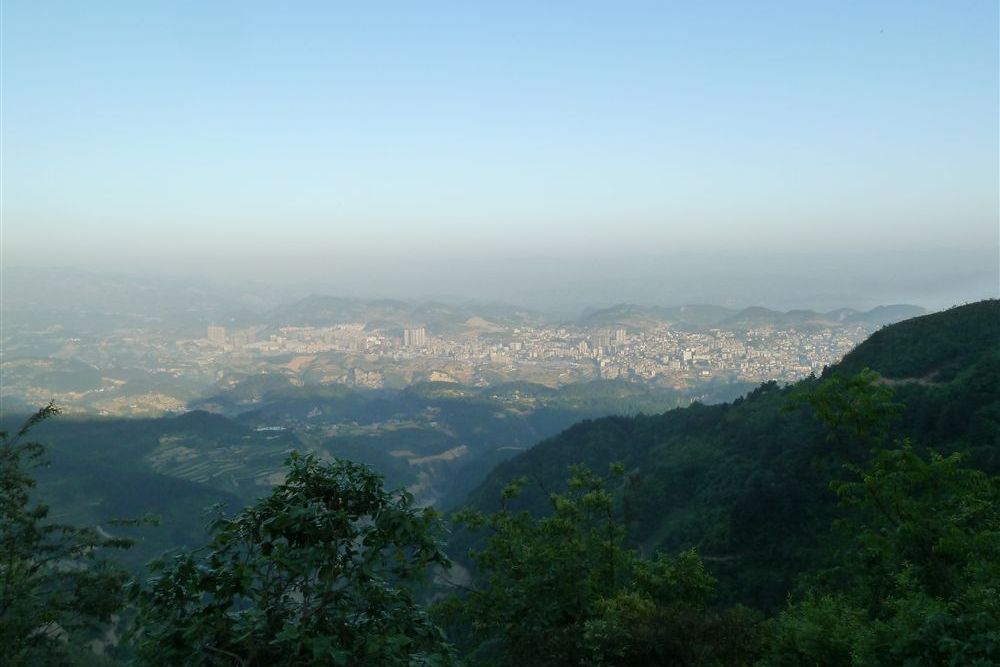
x=143, y=370
x=510, y=334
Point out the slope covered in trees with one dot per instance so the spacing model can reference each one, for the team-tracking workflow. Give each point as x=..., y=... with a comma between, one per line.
x=747, y=483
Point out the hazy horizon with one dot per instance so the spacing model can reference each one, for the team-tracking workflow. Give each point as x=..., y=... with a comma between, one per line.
x=556, y=156
x=564, y=289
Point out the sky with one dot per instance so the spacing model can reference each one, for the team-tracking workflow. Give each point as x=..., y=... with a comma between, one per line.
x=612, y=151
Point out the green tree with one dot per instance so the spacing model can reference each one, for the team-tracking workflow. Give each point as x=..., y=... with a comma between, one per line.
x=564, y=590
x=58, y=591
x=320, y=571
x=918, y=581
x=858, y=410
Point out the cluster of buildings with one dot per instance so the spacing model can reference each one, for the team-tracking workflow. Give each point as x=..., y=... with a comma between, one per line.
x=219, y=337
x=661, y=354
x=144, y=371
x=414, y=338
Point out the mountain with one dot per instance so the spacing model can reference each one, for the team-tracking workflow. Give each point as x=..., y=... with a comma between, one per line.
x=883, y=315
x=325, y=310
x=631, y=315
x=747, y=482
x=934, y=348
x=701, y=316
x=757, y=316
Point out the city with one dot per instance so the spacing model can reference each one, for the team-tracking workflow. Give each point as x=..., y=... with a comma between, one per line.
x=145, y=371
x=663, y=355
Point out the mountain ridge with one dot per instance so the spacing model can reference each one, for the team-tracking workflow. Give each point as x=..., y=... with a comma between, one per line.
x=709, y=316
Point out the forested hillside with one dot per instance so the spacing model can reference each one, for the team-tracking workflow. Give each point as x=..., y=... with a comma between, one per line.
x=748, y=483
x=852, y=519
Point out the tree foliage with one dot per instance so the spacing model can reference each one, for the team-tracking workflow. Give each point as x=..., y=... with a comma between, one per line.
x=320, y=571
x=58, y=591
x=564, y=589
x=910, y=574
x=855, y=409
x=918, y=581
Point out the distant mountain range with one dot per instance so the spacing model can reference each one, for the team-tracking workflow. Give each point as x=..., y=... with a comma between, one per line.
x=93, y=301
x=324, y=310
x=707, y=316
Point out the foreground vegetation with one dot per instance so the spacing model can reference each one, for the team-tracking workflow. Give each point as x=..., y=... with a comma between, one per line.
x=891, y=551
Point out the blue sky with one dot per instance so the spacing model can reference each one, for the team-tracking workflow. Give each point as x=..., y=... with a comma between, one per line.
x=170, y=134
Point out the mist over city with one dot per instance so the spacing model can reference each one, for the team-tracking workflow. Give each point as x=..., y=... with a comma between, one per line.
x=507, y=334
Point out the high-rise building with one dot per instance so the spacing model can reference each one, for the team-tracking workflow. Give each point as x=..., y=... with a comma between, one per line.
x=216, y=335
x=620, y=335
x=415, y=337
x=240, y=338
